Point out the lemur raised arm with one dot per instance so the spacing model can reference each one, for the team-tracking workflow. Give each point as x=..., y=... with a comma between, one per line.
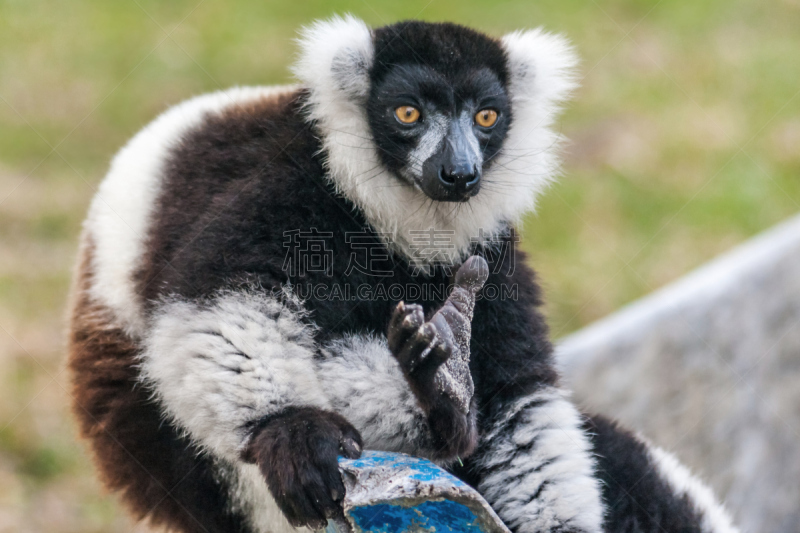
x=218, y=371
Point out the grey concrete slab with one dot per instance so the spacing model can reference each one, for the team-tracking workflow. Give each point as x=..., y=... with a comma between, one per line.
x=709, y=368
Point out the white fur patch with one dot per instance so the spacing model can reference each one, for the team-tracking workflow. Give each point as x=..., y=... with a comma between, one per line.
x=120, y=213
x=218, y=366
x=252, y=498
x=363, y=382
x=541, y=78
x=540, y=472
x=430, y=143
x=715, y=518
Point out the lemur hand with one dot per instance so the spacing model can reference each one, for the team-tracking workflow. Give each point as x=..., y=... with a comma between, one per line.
x=297, y=453
x=434, y=356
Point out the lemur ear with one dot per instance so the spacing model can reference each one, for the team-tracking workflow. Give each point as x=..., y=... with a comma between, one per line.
x=542, y=70
x=335, y=58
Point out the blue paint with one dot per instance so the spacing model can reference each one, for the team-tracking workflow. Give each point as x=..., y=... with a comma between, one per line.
x=423, y=470
x=436, y=515
x=433, y=516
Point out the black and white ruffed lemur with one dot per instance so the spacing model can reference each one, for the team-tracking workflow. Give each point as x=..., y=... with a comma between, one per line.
x=216, y=398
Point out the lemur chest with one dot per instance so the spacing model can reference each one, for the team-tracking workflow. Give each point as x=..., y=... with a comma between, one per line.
x=351, y=281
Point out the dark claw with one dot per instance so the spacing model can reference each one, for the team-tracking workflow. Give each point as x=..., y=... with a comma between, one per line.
x=350, y=448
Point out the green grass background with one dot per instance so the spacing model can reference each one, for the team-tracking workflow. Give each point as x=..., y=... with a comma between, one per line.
x=685, y=141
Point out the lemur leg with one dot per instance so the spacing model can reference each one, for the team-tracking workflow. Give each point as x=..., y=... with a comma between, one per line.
x=236, y=373
x=543, y=467
x=534, y=466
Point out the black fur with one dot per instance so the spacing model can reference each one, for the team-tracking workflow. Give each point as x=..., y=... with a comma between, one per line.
x=637, y=499
x=447, y=48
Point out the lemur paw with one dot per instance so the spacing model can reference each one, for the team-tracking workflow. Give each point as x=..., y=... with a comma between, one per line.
x=297, y=451
x=421, y=348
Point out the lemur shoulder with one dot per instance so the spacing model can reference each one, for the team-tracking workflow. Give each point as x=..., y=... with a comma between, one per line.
x=216, y=397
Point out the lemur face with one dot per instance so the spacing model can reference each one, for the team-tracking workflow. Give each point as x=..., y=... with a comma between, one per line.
x=438, y=107
x=415, y=115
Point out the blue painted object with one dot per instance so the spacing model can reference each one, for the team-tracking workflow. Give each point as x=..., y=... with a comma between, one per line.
x=441, y=515
x=393, y=493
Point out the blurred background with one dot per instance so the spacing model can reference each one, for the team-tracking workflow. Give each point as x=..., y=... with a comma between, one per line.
x=685, y=140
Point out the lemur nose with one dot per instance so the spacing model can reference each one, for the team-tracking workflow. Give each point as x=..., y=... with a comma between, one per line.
x=460, y=177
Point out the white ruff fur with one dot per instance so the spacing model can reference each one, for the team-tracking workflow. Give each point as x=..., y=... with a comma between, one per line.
x=334, y=62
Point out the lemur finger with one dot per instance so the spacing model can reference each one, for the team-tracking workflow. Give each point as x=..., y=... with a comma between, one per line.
x=455, y=322
x=472, y=274
x=350, y=448
x=439, y=351
x=462, y=300
x=417, y=347
x=469, y=279
x=427, y=367
x=406, y=320
x=323, y=482
x=327, y=489
x=402, y=311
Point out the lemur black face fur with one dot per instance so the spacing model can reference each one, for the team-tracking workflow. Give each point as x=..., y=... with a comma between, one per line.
x=438, y=119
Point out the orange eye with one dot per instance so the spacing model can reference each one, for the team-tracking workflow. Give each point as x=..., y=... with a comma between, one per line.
x=407, y=114
x=486, y=118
